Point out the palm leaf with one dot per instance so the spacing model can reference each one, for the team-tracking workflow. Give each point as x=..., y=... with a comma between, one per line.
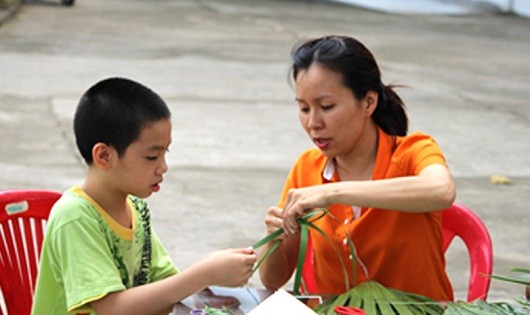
x=523, y=278
x=482, y=308
x=376, y=299
x=356, y=300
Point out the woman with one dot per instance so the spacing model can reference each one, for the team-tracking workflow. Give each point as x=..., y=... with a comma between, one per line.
x=382, y=187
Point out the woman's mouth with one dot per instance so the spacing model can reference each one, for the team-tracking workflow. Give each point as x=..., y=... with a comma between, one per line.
x=155, y=187
x=322, y=143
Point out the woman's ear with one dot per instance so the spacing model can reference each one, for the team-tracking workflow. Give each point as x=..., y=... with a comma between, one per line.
x=102, y=155
x=370, y=102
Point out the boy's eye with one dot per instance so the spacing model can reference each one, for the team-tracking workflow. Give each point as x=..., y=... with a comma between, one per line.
x=151, y=158
x=304, y=109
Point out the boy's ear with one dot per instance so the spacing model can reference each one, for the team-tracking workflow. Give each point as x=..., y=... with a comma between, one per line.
x=102, y=155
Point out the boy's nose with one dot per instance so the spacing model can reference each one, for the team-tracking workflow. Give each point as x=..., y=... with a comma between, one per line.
x=163, y=167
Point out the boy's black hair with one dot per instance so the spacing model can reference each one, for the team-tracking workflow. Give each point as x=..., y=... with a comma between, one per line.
x=114, y=111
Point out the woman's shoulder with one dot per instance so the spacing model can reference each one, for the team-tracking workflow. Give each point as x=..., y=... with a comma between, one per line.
x=415, y=140
x=416, y=151
x=416, y=136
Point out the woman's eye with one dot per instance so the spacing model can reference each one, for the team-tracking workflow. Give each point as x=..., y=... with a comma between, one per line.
x=327, y=107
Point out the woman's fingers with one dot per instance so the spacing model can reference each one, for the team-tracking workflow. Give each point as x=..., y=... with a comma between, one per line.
x=290, y=225
x=274, y=219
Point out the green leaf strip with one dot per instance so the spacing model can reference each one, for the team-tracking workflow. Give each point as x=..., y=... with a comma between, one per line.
x=269, y=251
x=304, y=234
x=268, y=238
x=513, y=279
x=337, y=251
x=353, y=254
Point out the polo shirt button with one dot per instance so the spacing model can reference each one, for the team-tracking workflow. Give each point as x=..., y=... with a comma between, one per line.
x=345, y=241
x=346, y=221
x=350, y=257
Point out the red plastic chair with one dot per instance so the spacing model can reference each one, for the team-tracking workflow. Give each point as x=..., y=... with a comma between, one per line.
x=457, y=220
x=23, y=214
x=460, y=221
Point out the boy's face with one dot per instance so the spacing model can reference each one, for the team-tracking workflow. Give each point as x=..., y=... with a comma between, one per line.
x=140, y=170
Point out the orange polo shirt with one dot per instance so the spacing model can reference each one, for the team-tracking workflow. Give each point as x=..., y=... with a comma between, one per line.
x=398, y=249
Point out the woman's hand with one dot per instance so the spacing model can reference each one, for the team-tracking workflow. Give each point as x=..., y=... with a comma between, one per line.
x=300, y=201
x=279, y=265
x=274, y=219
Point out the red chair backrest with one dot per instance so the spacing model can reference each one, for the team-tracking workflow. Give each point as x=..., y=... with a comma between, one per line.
x=23, y=214
x=460, y=221
x=457, y=220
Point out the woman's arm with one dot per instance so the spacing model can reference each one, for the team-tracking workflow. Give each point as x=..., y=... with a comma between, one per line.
x=432, y=189
x=277, y=269
x=230, y=268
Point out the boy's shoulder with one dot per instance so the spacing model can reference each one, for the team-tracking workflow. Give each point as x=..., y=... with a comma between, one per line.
x=70, y=206
x=75, y=204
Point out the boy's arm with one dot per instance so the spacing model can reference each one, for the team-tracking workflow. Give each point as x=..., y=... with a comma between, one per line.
x=231, y=268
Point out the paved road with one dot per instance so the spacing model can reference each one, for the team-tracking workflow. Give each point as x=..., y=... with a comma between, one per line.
x=222, y=67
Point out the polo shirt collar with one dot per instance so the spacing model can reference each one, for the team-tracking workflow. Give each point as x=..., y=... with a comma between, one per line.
x=386, y=145
x=329, y=170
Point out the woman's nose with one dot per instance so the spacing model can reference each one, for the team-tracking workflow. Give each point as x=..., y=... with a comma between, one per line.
x=314, y=120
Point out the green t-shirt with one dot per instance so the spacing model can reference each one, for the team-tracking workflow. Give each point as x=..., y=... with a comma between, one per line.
x=86, y=255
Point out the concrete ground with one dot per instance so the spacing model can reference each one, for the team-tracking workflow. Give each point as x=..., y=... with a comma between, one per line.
x=222, y=67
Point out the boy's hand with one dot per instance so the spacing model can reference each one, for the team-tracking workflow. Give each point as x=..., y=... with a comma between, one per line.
x=232, y=267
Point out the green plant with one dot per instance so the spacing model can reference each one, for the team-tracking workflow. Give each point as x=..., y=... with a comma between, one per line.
x=218, y=311
x=521, y=276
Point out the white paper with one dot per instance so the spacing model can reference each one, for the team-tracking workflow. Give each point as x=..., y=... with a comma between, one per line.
x=281, y=303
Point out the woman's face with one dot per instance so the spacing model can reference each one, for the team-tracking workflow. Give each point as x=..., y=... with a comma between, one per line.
x=329, y=112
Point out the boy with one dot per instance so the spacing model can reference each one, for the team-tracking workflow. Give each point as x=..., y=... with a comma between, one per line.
x=100, y=253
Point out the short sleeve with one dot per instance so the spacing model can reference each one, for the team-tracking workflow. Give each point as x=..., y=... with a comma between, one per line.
x=87, y=272
x=162, y=265
x=417, y=151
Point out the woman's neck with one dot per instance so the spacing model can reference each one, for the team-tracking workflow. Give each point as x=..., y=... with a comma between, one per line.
x=359, y=165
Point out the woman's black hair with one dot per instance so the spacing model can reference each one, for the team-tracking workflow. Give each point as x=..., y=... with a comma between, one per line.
x=358, y=68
